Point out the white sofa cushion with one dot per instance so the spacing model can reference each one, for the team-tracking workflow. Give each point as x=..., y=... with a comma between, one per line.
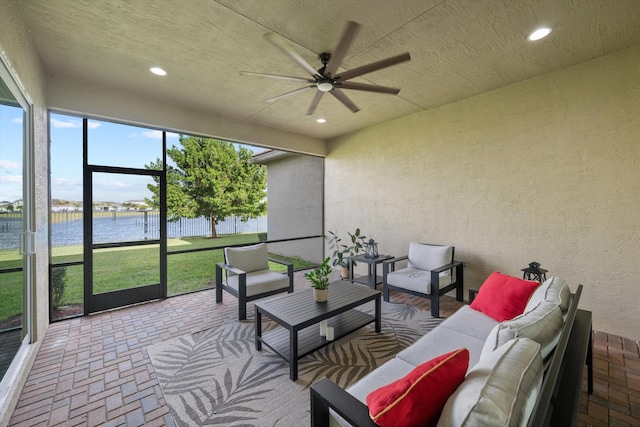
x=543, y=325
x=428, y=257
x=470, y=322
x=554, y=290
x=465, y=328
x=248, y=258
x=501, y=390
x=387, y=373
x=440, y=341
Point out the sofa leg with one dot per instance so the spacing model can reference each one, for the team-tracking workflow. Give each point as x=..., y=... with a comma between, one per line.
x=385, y=293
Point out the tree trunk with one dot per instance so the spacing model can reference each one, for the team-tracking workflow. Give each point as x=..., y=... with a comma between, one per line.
x=214, y=235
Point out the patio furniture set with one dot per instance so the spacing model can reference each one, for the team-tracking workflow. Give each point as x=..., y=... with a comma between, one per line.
x=478, y=344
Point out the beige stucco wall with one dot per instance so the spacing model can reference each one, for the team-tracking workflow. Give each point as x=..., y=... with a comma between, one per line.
x=545, y=170
x=17, y=49
x=294, y=185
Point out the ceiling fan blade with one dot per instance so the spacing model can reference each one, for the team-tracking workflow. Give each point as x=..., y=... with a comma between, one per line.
x=374, y=66
x=276, y=76
x=314, y=102
x=346, y=101
x=368, y=88
x=283, y=46
x=285, y=95
x=342, y=48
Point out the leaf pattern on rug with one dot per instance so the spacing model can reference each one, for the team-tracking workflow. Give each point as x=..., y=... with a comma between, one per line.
x=192, y=359
x=217, y=377
x=346, y=363
x=230, y=401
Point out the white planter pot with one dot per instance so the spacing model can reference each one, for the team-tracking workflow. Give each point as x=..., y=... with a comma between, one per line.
x=321, y=295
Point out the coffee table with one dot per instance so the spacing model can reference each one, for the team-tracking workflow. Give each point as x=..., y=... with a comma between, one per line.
x=299, y=315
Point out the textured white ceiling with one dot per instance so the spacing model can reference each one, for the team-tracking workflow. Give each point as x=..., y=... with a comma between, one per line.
x=459, y=48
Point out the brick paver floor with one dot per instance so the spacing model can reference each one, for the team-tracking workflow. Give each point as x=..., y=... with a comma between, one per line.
x=95, y=370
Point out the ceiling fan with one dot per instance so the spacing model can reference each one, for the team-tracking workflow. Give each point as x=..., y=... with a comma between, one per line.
x=325, y=79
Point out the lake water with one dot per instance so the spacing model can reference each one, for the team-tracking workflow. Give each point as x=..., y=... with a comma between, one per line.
x=120, y=228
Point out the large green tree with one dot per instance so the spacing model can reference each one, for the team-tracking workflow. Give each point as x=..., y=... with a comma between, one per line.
x=213, y=179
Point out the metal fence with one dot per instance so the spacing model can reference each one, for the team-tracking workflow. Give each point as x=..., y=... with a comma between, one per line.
x=67, y=228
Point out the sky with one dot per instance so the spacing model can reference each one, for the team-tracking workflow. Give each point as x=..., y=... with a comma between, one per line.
x=10, y=153
x=110, y=144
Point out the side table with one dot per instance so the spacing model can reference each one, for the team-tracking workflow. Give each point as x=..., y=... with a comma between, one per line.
x=372, y=279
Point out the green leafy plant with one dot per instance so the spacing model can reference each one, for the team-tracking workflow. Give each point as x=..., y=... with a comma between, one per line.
x=58, y=283
x=341, y=252
x=319, y=277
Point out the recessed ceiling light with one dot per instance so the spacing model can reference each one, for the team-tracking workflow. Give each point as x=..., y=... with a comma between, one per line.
x=538, y=34
x=158, y=71
x=321, y=120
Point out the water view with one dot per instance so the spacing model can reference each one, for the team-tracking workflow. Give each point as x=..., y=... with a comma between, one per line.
x=127, y=226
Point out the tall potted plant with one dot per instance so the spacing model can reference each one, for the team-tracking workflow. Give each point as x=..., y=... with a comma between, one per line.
x=319, y=279
x=341, y=252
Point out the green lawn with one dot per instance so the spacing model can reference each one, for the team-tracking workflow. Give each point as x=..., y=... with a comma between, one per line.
x=120, y=268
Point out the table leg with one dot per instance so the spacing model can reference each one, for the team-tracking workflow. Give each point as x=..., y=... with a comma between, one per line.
x=293, y=362
x=378, y=314
x=350, y=270
x=373, y=270
x=258, y=329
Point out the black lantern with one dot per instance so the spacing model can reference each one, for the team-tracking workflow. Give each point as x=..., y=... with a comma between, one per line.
x=371, y=250
x=534, y=272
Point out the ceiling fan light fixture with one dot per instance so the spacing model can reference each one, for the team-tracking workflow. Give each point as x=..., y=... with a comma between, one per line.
x=539, y=33
x=321, y=120
x=325, y=86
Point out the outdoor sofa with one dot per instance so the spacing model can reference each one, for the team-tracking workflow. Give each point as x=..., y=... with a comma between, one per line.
x=524, y=371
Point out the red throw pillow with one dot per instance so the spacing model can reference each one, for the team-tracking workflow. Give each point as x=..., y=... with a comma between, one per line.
x=418, y=398
x=503, y=297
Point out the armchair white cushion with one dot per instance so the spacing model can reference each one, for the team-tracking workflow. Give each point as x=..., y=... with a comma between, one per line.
x=429, y=257
x=248, y=276
x=418, y=278
x=259, y=282
x=421, y=260
x=248, y=258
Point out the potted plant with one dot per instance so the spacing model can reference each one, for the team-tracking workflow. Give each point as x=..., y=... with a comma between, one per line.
x=341, y=252
x=319, y=279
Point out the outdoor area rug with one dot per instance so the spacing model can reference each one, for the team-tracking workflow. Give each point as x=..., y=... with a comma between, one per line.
x=217, y=377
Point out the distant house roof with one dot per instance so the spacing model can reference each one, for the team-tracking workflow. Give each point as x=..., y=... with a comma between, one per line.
x=266, y=156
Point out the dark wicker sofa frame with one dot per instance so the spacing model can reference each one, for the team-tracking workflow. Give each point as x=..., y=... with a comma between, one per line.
x=558, y=401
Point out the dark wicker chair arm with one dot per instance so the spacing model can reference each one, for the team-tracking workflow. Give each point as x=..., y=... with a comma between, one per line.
x=279, y=261
x=326, y=394
x=229, y=268
x=448, y=266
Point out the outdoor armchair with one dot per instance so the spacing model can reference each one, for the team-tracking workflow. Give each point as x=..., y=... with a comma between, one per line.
x=431, y=272
x=245, y=274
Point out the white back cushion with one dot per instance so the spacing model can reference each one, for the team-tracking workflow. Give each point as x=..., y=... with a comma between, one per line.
x=428, y=257
x=248, y=258
x=501, y=390
x=553, y=289
x=542, y=325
